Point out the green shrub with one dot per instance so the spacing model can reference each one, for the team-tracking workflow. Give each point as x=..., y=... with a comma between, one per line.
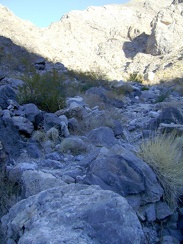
x=136, y=77
x=47, y=91
x=164, y=155
x=162, y=97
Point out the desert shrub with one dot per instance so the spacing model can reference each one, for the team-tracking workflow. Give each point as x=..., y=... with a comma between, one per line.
x=123, y=90
x=101, y=118
x=89, y=79
x=135, y=76
x=119, y=92
x=39, y=136
x=162, y=97
x=53, y=134
x=9, y=190
x=145, y=88
x=163, y=154
x=47, y=91
x=72, y=145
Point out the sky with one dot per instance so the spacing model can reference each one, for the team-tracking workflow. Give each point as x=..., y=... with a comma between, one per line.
x=42, y=13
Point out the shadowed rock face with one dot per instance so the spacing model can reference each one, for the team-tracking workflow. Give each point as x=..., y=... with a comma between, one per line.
x=101, y=39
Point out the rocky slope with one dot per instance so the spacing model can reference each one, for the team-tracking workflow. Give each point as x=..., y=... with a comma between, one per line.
x=75, y=175
x=109, y=40
x=77, y=170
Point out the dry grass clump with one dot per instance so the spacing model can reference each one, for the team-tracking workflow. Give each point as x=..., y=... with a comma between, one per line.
x=100, y=118
x=39, y=136
x=119, y=92
x=53, y=134
x=163, y=154
x=93, y=100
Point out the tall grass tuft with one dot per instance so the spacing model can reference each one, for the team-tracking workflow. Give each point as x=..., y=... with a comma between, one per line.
x=164, y=155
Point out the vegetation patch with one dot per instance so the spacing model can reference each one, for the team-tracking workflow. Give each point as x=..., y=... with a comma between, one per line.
x=47, y=91
x=135, y=76
x=164, y=155
x=89, y=79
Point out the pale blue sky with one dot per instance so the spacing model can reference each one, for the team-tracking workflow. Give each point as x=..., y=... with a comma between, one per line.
x=42, y=13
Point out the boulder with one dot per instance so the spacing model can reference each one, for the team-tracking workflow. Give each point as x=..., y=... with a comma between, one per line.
x=73, y=214
x=23, y=125
x=10, y=138
x=166, y=28
x=51, y=120
x=34, y=181
x=6, y=93
x=102, y=136
x=40, y=64
x=124, y=173
x=167, y=116
x=32, y=113
x=163, y=210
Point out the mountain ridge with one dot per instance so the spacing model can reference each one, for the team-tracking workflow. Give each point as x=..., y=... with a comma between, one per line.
x=102, y=39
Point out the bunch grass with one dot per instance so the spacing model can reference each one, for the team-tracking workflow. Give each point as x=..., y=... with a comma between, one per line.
x=164, y=155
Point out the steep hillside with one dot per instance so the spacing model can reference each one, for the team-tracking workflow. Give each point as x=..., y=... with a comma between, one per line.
x=110, y=39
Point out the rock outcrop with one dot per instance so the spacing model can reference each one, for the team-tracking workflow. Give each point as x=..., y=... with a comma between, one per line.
x=103, y=40
x=167, y=31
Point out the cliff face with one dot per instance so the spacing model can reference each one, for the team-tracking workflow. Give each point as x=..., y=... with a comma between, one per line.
x=105, y=39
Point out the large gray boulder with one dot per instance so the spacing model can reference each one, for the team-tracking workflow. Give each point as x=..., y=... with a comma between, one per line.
x=124, y=173
x=73, y=214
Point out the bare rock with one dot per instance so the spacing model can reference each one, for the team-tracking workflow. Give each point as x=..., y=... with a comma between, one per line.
x=6, y=93
x=125, y=174
x=23, y=125
x=167, y=116
x=166, y=28
x=113, y=33
x=34, y=181
x=73, y=214
x=102, y=136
